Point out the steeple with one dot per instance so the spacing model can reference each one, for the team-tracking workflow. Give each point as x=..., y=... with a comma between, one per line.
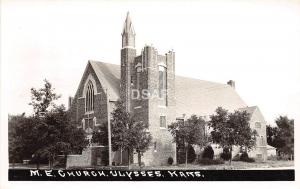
x=128, y=34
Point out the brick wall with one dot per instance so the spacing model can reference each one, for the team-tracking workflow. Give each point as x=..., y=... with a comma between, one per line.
x=149, y=110
x=78, y=105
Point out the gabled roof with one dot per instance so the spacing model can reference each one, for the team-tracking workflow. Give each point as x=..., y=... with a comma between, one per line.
x=249, y=110
x=109, y=77
x=255, y=113
x=193, y=96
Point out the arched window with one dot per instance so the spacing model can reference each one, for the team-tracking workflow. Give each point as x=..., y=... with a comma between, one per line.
x=162, y=85
x=89, y=97
x=138, y=77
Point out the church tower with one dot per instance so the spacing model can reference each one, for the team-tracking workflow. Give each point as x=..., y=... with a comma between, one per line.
x=128, y=54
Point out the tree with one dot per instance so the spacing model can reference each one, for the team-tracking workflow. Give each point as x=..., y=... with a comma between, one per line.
x=188, y=132
x=282, y=136
x=139, y=139
x=60, y=136
x=231, y=129
x=35, y=137
x=273, y=137
x=286, y=133
x=15, y=147
x=120, y=124
x=43, y=99
x=128, y=133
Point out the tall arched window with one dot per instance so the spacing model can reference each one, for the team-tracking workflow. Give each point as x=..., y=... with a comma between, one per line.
x=138, y=77
x=89, y=97
x=162, y=85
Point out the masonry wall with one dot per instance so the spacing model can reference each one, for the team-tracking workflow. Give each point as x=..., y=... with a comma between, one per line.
x=78, y=105
x=96, y=154
x=259, y=152
x=149, y=110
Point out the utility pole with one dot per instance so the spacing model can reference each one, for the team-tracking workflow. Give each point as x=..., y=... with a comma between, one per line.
x=109, y=129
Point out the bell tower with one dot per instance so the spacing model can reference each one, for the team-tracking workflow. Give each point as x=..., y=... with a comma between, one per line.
x=128, y=54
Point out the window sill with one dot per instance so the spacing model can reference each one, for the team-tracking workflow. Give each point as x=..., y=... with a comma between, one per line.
x=162, y=128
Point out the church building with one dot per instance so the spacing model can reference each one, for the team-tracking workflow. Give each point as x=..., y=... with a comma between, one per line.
x=169, y=98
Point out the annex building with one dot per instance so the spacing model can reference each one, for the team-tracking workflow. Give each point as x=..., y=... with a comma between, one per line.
x=102, y=84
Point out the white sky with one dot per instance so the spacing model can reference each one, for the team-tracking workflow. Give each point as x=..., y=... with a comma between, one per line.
x=255, y=43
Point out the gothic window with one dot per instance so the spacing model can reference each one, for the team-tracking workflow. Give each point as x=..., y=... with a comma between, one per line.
x=162, y=83
x=162, y=121
x=89, y=97
x=138, y=77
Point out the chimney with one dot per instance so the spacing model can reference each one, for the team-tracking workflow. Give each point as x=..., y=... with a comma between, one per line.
x=70, y=102
x=231, y=83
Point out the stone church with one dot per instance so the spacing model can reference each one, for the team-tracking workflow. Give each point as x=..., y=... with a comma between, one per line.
x=169, y=98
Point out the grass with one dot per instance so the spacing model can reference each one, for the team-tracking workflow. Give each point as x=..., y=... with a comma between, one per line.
x=235, y=165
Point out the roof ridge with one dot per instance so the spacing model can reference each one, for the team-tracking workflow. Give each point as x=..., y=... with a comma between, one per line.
x=213, y=82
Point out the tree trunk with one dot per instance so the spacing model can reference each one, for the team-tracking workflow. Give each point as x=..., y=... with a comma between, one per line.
x=186, y=156
x=230, y=149
x=128, y=158
x=121, y=154
x=139, y=159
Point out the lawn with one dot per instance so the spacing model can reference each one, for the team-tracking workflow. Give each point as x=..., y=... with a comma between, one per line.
x=235, y=165
x=270, y=164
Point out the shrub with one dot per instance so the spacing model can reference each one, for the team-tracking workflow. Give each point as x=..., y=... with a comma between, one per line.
x=170, y=160
x=191, y=154
x=236, y=157
x=206, y=161
x=244, y=156
x=208, y=153
x=250, y=160
x=225, y=155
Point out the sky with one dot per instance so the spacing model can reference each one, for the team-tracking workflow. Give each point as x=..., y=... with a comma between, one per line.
x=254, y=43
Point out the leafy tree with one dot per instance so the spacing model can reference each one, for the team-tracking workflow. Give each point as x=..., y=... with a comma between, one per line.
x=273, y=137
x=127, y=133
x=43, y=99
x=231, y=129
x=15, y=147
x=139, y=139
x=61, y=136
x=120, y=124
x=190, y=131
x=100, y=135
x=44, y=136
x=282, y=136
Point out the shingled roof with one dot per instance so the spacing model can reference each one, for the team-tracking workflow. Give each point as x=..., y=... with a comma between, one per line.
x=193, y=96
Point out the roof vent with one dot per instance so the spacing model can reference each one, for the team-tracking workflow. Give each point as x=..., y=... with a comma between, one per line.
x=231, y=83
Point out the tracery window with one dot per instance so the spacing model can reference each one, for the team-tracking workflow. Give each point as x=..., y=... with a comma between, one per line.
x=89, y=97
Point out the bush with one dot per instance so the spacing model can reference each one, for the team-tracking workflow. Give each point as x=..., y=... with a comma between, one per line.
x=206, y=161
x=208, y=153
x=236, y=157
x=225, y=155
x=191, y=154
x=170, y=160
x=244, y=156
x=250, y=160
